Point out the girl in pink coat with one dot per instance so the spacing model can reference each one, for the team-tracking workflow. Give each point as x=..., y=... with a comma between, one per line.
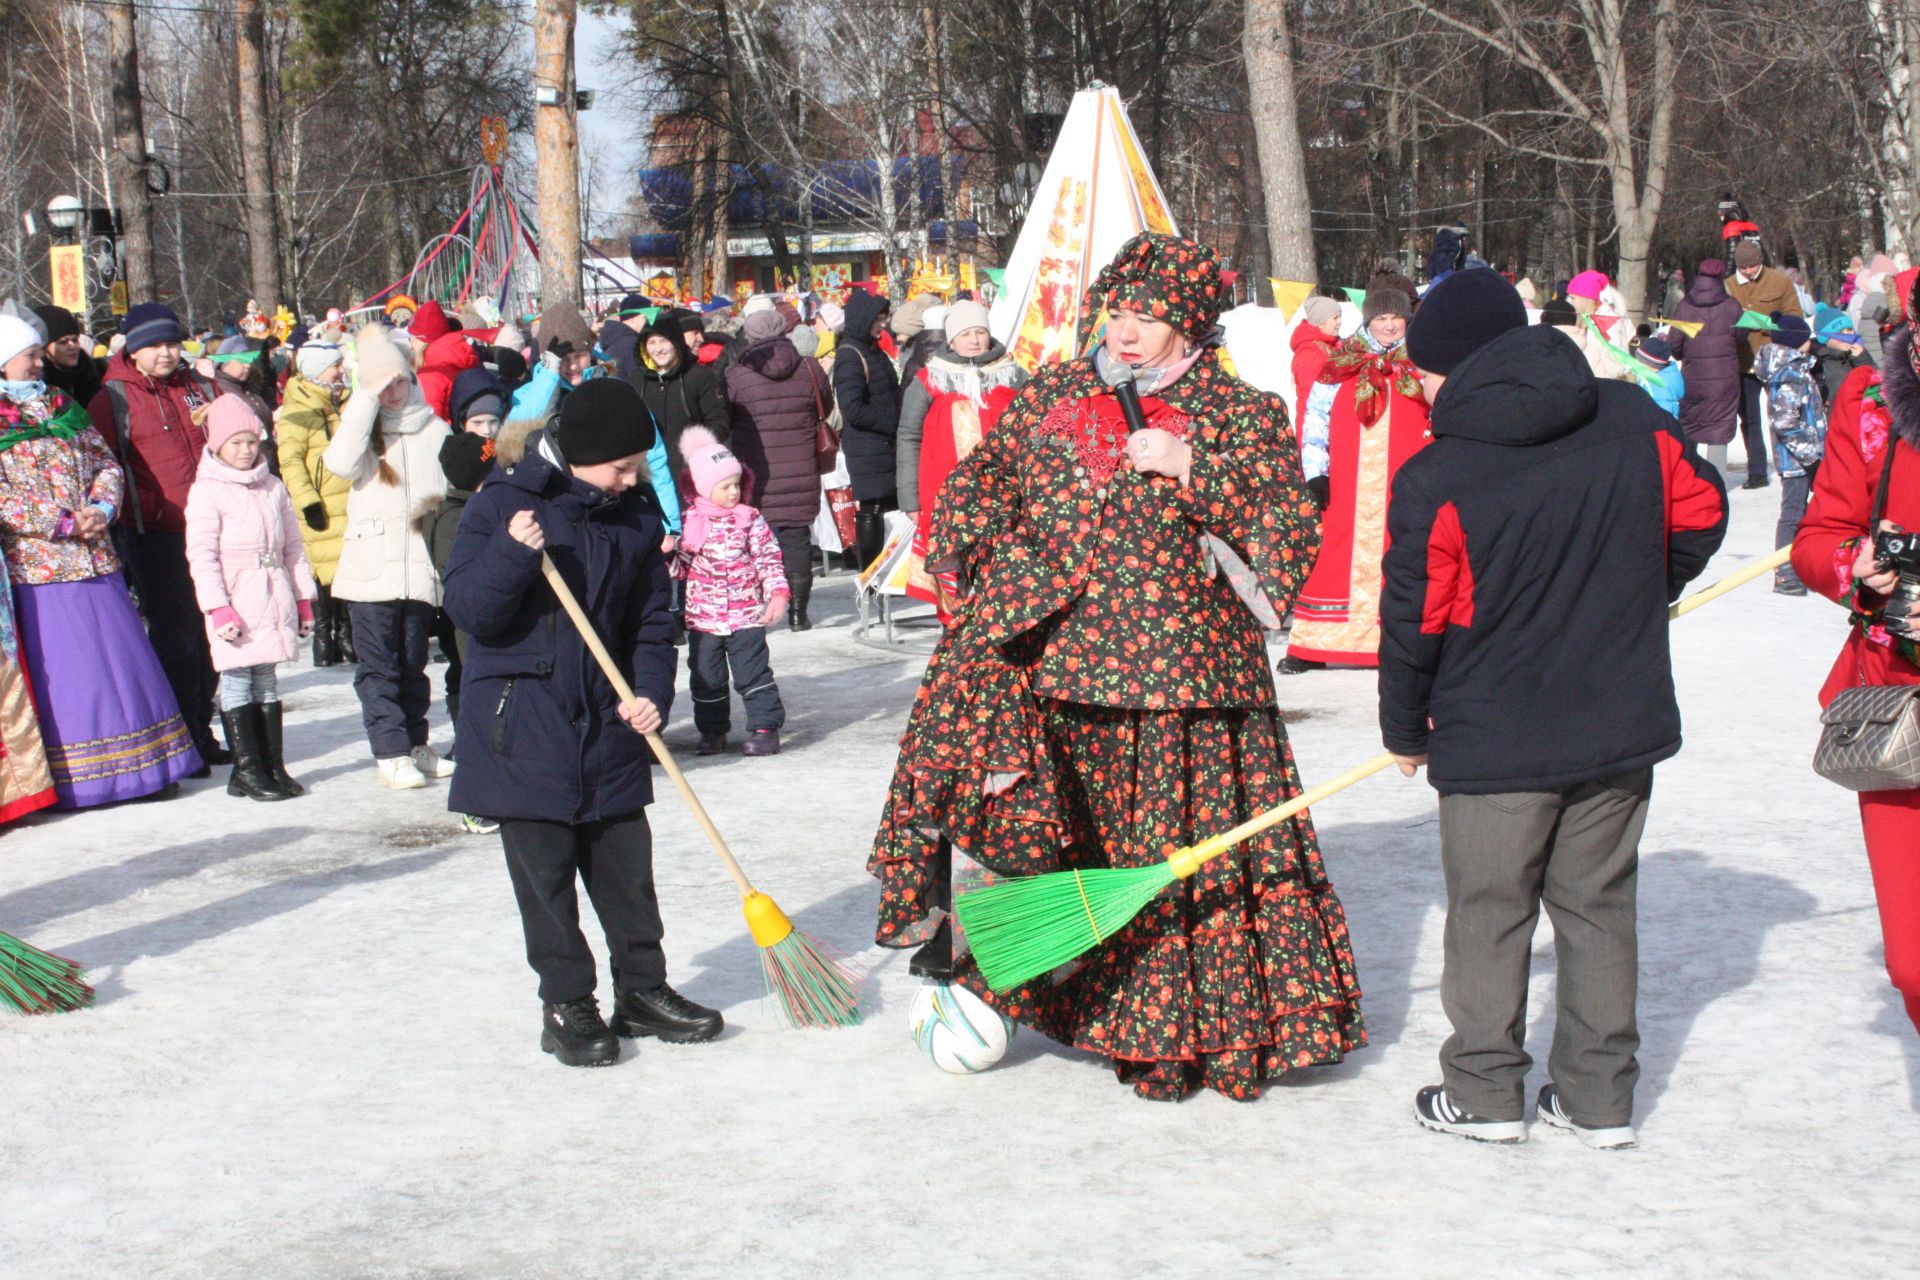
x=736, y=588
x=253, y=583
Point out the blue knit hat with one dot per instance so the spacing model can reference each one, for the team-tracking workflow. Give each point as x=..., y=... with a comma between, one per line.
x=1791, y=331
x=150, y=324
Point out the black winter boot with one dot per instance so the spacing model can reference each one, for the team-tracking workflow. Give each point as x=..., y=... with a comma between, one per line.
x=211, y=752
x=343, y=634
x=664, y=1014
x=800, y=587
x=575, y=1033
x=274, y=748
x=326, y=644
x=870, y=532
x=934, y=959
x=250, y=776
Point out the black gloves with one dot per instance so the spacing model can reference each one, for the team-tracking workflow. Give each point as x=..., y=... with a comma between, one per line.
x=1321, y=488
x=315, y=514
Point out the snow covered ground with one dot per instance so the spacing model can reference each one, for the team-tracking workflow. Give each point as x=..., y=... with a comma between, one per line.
x=315, y=1048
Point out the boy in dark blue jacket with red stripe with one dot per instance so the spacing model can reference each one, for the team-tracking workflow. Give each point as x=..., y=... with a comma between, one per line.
x=1535, y=546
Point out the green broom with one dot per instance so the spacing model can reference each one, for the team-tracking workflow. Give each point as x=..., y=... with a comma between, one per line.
x=1024, y=927
x=36, y=981
x=811, y=987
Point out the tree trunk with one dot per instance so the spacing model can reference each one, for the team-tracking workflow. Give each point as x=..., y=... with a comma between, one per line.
x=556, y=142
x=130, y=151
x=1276, y=131
x=256, y=164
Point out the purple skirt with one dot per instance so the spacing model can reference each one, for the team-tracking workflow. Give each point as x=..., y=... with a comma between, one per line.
x=109, y=720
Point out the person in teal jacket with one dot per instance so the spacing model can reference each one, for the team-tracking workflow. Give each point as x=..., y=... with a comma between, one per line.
x=1658, y=373
x=539, y=400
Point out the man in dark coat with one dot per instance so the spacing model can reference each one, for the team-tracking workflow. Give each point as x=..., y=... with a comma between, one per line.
x=1710, y=406
x=70, y=367
x=1535, y=546
x=151, y=410
x=547, y=748
x=868, y=391
x=779, y=396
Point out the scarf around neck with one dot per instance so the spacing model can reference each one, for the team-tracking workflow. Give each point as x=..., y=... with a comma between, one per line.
x=697, y=521
x=1376, y=372
x=48, y=415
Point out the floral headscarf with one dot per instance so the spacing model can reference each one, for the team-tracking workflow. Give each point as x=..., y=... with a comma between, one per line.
x=1376, y=372
x=1169, y=278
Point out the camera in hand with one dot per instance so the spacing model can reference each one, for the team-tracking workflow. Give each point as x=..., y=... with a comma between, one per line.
x=1899, y=550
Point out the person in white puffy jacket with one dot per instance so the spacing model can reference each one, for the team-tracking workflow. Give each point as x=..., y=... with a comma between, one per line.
x=388, y=448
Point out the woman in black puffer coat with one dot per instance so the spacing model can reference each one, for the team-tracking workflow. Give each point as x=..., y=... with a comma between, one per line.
x=778, y=396
x=868, y=390
x=1710, y=408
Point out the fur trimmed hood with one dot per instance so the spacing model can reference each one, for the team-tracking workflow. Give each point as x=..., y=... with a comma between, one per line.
x=1901, y=386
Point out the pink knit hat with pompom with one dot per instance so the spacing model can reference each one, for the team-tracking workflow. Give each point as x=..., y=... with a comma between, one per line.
x=229, y=416
x=708, y=461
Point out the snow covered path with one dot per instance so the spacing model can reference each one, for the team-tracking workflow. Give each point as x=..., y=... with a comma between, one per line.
x=315, y=1048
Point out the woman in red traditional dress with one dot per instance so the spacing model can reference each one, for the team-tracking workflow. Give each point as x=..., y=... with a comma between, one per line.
x=946, y=409
x=1364, y=418
x=1104, y=699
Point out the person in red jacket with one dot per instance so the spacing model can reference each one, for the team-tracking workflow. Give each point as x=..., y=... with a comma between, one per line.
x=152, y=412
x=1312, y=341
x=1534, y=548
x=1874, y=412
x=447, y=357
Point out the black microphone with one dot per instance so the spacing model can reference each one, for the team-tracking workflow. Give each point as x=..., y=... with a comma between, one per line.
x=1119, y=376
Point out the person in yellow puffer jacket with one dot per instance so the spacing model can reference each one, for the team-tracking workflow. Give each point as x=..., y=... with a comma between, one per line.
x=309, y=414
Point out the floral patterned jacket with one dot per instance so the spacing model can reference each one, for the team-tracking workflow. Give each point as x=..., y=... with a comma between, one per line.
x=1116, y=577
x=44, y=481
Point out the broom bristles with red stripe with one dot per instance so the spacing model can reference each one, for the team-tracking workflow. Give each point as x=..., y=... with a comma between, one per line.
x=36, y=981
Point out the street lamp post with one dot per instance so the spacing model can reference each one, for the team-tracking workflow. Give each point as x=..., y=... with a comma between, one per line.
x=67, y=260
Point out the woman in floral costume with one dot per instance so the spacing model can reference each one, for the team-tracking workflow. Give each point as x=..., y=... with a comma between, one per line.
x=108, y=721
x=1104, y=699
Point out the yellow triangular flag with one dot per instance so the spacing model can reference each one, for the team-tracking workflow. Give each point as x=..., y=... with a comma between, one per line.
x=1691, y=328
x=1289, y=295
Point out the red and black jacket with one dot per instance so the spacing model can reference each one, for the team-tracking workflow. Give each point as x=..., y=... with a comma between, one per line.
x=1534, y=548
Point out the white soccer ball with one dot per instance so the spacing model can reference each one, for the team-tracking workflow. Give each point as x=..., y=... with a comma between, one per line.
x=957, y=1030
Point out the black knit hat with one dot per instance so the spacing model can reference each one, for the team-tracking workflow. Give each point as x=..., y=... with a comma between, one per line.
x=60, y=322
x=1461, y=314
x=603, y=419
x=631, y=304
x=465, y=459
x=1559, y=312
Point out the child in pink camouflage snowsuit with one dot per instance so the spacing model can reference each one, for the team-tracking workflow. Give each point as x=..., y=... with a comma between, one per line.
x=736, y=588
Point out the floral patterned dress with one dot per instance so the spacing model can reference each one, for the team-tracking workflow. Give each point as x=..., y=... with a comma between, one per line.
x=1103, y=699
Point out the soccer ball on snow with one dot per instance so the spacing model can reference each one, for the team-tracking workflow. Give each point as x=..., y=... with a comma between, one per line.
x=957, y=1030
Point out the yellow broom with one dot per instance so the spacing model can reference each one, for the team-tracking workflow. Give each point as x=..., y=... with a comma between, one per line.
x=811, y=987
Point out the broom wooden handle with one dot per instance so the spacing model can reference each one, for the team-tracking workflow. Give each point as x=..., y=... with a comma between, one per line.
x=1736, y=579
x=1187, y=861
x=584, y=625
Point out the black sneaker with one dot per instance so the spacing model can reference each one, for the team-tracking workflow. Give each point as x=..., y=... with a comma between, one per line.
x=664, y=1014
x=1787, y=583
x=934, y=960
x=1606, y=1138
x=575, y=1033
x=711, y=744
x=1436, y=1111
x=1756, y=482
x=1292, y=666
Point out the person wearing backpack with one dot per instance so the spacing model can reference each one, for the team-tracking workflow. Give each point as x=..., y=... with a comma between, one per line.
x=868, y=391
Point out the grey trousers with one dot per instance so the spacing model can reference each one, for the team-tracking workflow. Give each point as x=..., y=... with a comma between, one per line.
x=1578, y=851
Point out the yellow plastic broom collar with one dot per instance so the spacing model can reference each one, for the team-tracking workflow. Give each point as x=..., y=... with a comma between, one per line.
x=765, y=920
x=1185, y=862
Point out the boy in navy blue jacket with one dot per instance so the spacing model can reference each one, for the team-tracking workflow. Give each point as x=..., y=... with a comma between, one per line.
x=1535, y=546
x=546, y=747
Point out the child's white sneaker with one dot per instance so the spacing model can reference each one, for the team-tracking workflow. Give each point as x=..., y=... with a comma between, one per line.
x=429, y=763
x=398, y=773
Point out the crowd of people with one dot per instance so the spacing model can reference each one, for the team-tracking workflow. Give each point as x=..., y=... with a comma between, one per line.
x=1482, y=476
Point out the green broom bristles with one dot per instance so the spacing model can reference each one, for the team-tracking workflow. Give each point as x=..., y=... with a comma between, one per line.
x=1020, y=929
x=36, y=981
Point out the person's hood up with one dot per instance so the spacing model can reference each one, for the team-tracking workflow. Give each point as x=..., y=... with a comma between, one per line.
x=620, y=343
x=1526, y=387
x=1707, y=290
x=775, y=358
x=450, y=355
x=660, y=328
x=471, y=384
x=862, y=310
x=304, y=393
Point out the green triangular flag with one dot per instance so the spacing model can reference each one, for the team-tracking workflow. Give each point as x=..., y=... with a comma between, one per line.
x=236, y=357
x=998, y=275
x=649, y=314
x=1753, y=320
x=1357, y=297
